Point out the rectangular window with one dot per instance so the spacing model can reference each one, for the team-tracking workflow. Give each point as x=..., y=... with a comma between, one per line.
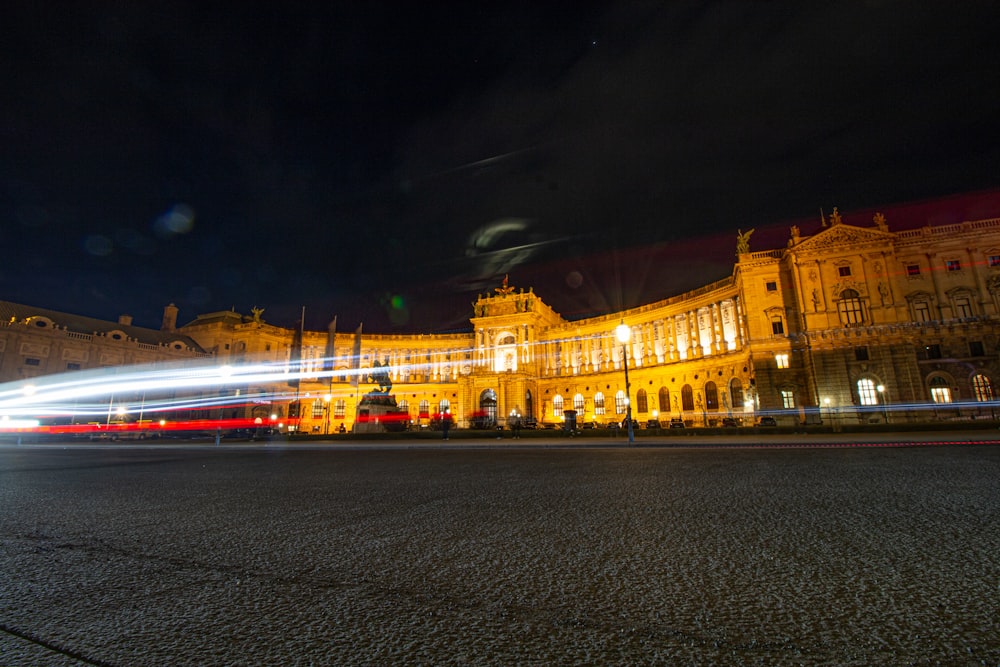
x=782, y=360
x=921, y=311
x=913, y=270
x=787, y=398
x=933, y=351
x=771, y=286
x=844, y=271
x=963, y=308
x=861, y=354
x=994, y=260
x=317, y=409
x=777, y=325
x=339, y=408
x=976, y=348
x=32, y=362
x=941, y=394
x=953, y=265
x=72, y=366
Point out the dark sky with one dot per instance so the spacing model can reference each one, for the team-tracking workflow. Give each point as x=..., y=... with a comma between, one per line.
x=385, y=162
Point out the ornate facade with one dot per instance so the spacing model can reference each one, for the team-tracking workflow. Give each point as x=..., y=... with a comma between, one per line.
x=850, y=324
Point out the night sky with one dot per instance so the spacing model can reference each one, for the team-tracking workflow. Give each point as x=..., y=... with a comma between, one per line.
x=386, y=162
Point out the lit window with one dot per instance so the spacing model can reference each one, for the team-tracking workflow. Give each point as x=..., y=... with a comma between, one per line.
x=599, y=404
x=339, y=408
x=787, y=398
x=425, y=408
x=981, y=388
x=557, y=406
x=867, y=393
x=641, y=402
x=777, y=325
x=940, y=391
x=620, y=402
x=771, y=286
x=317, y=409
x=444, y=406
x=913, y=269
x=953, y=265
x=578, y=403
x=782, y=360
x=844, y=271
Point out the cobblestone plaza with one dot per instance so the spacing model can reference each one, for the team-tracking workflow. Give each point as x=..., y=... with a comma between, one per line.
x=279, y=556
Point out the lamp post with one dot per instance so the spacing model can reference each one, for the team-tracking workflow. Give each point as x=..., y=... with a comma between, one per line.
x=881, y=399
x=326, y=410
x=624, y=334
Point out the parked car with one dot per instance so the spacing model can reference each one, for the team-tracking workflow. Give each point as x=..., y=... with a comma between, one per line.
x=730, y=422
x=676, y=422
x=654, y=423
x=588, y=425
x=767, y=421
x=614, y=425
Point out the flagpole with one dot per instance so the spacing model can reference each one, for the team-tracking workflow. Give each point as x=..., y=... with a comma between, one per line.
x=298, y=381
x=329, y=367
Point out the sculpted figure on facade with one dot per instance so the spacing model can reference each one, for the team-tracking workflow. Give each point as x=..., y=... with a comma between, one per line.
x=743, y=241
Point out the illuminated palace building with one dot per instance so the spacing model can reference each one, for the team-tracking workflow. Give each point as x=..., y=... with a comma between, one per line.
x=851, y=324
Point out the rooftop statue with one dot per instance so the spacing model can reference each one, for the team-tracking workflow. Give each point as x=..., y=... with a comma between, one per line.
x=504, y=290
x=743, y=242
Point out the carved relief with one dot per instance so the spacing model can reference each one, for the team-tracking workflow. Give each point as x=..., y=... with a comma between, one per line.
x=34, y=350
x=839, y=236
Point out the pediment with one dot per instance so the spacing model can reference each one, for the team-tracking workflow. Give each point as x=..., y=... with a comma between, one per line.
x=842, y=236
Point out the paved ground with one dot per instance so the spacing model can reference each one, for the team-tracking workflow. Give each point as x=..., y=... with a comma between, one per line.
x=470, y=552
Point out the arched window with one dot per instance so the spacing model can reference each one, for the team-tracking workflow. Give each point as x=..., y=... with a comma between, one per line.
x=850, y=308
x=404, y=405
x=981, y=387
x=488, y=406
x=557, y=406
x=620, y=402
x=529, y=405
x=599, y=403
x=687, y=397
x=940, y=391
x=444, y=405
x=711, y=396
x=578, y=404
x=736, y=394
x=866, y=392
x=664, y=396
x=425, y=408
x=641, y=404
x=339, y=408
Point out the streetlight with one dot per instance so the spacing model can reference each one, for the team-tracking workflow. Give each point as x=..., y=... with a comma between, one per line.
x=326, y=426
x=881, y=399
x=624, y=334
